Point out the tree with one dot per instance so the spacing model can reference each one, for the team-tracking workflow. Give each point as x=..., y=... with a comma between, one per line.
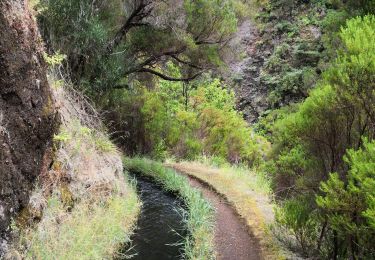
x=348, y=204
x=340, y=111
x=139, y=37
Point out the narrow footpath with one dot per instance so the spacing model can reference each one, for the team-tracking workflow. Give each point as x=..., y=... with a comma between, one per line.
x=232, y=237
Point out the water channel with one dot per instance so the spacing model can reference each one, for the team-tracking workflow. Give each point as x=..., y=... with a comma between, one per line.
x=160, y=232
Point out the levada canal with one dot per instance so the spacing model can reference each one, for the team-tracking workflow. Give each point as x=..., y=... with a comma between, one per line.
x=160, y=233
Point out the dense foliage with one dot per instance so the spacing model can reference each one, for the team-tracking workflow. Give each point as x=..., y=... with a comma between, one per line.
x=323, y=161
x=110, y=42
x=204, y=122
x=114, y=49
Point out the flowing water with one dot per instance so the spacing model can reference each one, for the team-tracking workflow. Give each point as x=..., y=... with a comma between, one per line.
x=160, y=231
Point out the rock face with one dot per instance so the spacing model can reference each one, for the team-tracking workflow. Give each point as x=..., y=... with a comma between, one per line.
x=283, y=57
x=250, y=92
x=27, y=114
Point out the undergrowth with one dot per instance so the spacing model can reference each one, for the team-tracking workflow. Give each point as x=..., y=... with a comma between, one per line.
x=199, y=217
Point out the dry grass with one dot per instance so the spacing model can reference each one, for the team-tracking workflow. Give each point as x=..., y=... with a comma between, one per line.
x=247, y=192
x=89, y=231
x=84, y=204
x=85, y=158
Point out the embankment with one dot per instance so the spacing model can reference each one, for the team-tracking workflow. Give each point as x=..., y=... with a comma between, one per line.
x=83, y=207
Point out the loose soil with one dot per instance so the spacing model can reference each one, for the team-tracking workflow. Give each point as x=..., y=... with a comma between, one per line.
x=232, y=237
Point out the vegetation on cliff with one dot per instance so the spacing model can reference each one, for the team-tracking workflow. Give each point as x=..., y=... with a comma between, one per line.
x=84, y=186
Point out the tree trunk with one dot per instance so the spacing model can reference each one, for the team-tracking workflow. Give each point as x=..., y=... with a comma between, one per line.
x=322, y=235
x=335, y=245
x=27, y=113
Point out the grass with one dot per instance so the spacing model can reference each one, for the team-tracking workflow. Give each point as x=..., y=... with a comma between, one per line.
x=254, y=180
x=247, y=191
x=97, y=140
x=89, y=231
x=199, y=216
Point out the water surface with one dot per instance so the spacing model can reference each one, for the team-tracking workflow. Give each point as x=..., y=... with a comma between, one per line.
x=160, y=229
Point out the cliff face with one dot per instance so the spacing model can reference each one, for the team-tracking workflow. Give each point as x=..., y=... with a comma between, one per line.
x=251, y=93
x=27, y=114
x=283, y=53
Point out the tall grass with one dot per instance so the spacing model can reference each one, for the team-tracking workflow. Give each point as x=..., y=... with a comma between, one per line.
x=90, y=231
x=256, y=180
x=200, y=214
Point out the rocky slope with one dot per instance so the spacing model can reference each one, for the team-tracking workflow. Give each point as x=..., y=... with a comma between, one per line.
x=282, y=55
x=82, y=207
x=250, y=92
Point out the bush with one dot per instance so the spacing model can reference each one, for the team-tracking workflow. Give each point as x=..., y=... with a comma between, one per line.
x=312, y=142
x=354, y=225
x=301, y=220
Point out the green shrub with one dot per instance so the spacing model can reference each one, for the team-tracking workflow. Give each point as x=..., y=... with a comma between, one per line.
x=225, y=133
x=349, y=205
x=301, y=220
x=311, y=143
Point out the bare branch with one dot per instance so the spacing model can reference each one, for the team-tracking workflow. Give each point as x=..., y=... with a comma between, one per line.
x=134, y=20
x=190, y=64
x=206, y=42
x=154, y=59
x=165, y=77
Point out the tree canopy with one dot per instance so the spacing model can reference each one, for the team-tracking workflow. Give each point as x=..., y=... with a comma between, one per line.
x=108, y=41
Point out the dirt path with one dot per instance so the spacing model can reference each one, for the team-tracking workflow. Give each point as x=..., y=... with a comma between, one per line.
x=232, y=238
